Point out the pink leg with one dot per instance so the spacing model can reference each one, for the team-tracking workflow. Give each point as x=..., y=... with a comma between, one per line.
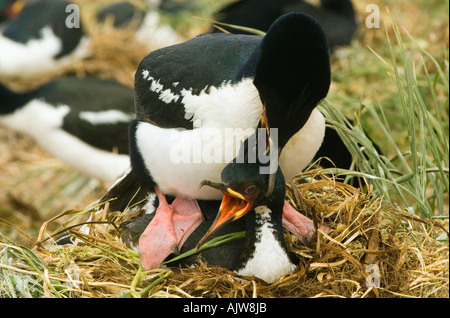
x=186, y=219
x=159, y=238
x=168, y=230
x=298, y=224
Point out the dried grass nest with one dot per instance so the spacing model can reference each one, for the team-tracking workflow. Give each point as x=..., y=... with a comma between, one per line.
x=373, y=251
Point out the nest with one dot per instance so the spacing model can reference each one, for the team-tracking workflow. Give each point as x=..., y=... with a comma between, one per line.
x=373, y=251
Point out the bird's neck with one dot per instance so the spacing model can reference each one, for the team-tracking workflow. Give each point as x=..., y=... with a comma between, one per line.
x=264, y=222
x=11, y=101
x=265, y=253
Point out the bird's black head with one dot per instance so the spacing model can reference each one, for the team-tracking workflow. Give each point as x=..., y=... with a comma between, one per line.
x=244, y=188
x=248, y=180
x=293, y=72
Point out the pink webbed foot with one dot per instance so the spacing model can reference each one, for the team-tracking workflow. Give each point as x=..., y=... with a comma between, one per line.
x=186, y=219
x=298, y=224
x=168, y=230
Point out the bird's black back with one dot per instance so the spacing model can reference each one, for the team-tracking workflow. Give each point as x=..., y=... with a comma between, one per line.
x=337, y=17
x=34, y=17
x=196, y=65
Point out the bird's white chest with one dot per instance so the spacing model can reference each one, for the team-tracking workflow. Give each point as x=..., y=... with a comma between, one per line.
x=179, y=159
x=269, y=260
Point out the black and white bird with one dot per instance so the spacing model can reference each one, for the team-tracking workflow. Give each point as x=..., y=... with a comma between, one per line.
x=263, y=253
x=150, y=30
x=247, y=205
x=337, y=17
x=83, y=121
x=196, y=101
x=42, y=38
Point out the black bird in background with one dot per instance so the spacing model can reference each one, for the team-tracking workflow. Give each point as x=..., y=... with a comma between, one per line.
x=38, y=40
x=337, y=17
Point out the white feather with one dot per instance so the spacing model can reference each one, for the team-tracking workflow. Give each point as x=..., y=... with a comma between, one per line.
x=227, y=106
x=165, y=95
x=110, y=116
x=37, y=55
x=302, y=147
x=43, y=122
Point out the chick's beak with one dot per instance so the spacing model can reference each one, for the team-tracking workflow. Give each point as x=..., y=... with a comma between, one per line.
x=234, y=206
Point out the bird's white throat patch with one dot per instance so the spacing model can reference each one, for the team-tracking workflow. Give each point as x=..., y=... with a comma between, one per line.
x=269, y=260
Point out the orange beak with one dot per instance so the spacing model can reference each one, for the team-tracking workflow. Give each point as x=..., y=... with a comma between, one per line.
x=234, y=206
x=16, y=8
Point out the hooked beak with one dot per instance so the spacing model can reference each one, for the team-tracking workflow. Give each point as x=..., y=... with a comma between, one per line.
x=15, y=9
x=234, y=206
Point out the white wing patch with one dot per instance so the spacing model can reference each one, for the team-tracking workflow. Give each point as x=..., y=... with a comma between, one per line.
x=111, y=116
x=229, y=105
x=43, y=122
x=165, y=95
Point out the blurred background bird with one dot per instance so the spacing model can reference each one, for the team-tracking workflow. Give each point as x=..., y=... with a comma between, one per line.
x=337, y=17
x=39, y=39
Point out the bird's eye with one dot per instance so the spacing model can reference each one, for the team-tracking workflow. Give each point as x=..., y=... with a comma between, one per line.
x=250, y=190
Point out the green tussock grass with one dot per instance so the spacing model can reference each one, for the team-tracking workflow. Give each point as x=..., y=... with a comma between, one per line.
x=412, y=169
